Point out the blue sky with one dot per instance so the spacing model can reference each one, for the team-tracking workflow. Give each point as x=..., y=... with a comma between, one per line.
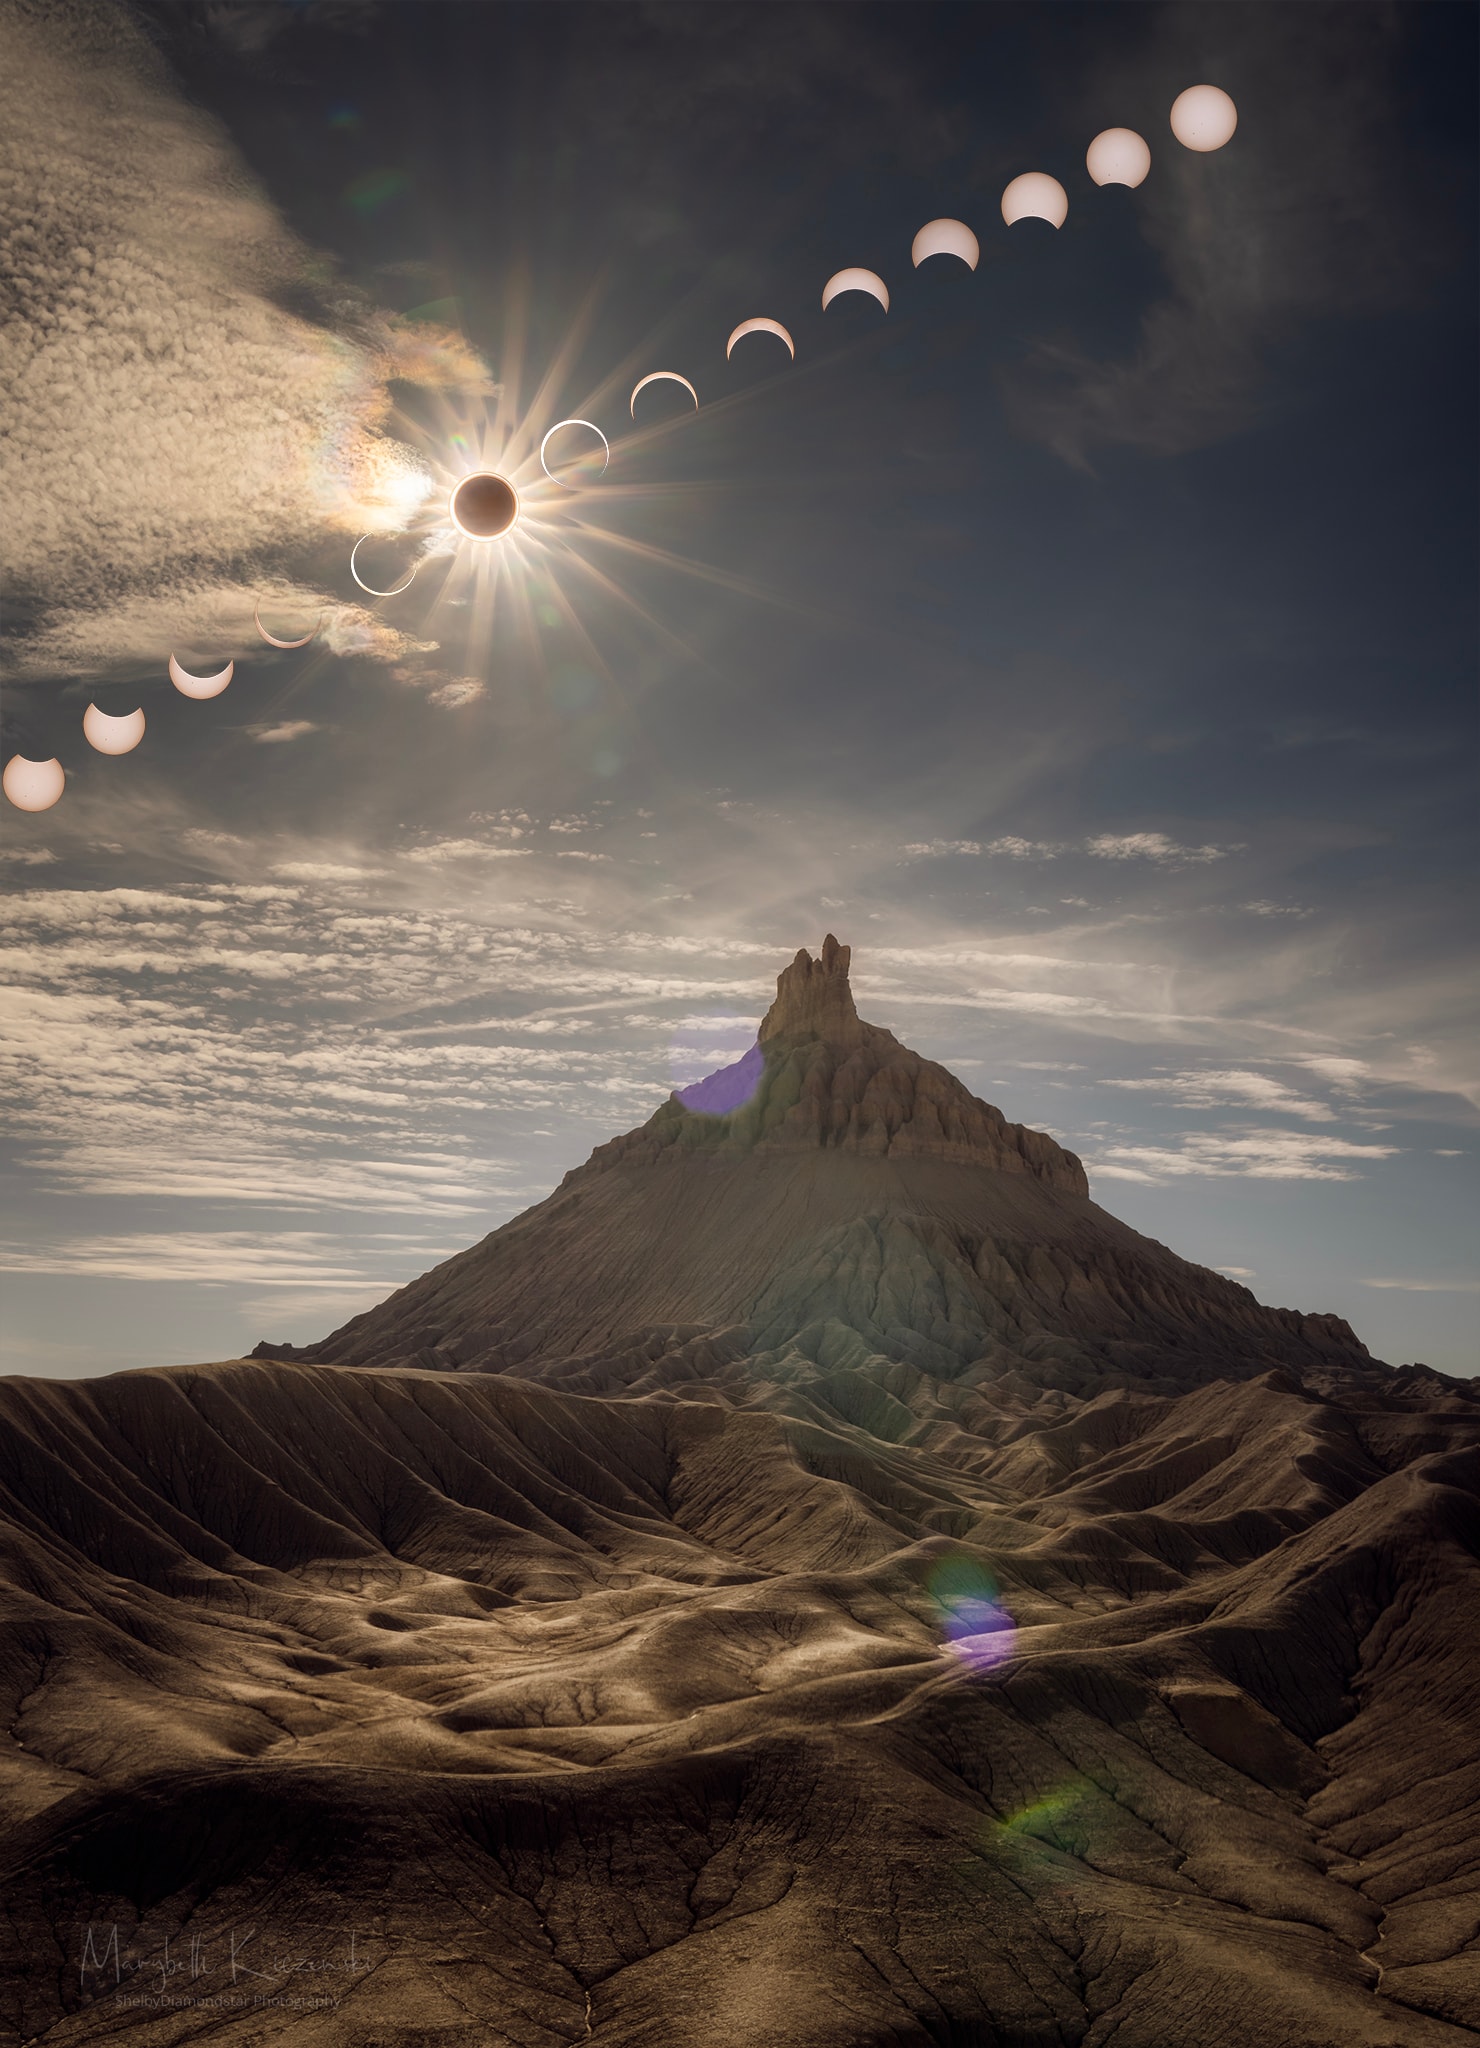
x=1089, y=642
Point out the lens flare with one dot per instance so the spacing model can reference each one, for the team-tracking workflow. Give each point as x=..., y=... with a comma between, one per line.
x=975, y=1626
x=728, y=1088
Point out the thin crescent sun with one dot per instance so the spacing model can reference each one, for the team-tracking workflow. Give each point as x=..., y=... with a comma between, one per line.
x=591, y=424
x=272, y=638
x=761, y=325
x=655, y=376
x=396, y=591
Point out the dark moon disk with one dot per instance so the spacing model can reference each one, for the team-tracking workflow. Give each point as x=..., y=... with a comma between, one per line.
x=485, y=505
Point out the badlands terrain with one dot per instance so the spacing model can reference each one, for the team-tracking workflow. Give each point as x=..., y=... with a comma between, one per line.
x=816, y=1581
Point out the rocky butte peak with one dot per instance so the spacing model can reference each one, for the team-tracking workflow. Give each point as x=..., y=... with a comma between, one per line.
x=813, y=999
x=819, y=1076
x=834, y=1199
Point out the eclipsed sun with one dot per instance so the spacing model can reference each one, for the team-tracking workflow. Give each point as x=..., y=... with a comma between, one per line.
x=484, y=506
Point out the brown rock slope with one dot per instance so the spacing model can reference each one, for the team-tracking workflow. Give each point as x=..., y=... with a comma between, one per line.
x=828, y=1684
x=862, y=1204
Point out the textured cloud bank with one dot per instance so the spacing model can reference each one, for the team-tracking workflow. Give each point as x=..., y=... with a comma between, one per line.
x=369, y=1037
x=1152, y=846
x=178, y=439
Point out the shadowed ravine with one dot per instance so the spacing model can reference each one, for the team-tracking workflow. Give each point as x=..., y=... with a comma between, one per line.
x=817, y=1579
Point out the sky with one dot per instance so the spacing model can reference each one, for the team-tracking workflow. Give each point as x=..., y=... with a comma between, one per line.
x=1089, y=641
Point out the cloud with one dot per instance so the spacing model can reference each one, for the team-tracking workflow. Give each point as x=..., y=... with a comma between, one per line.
x=349, y=629
x=1428, y=1286
x=448, y=693
x=1338, y=1069
x=463, y=690
x=205, y=620
x=169, y=417
x=324, y=871
x=289, y=729
x=295, y=1258
x=1253, y=1155
x=1208, y=1087
x=1011, y=847
x=253, y=1046
x=1023, y=849
x=28, y=856
x=1153, y=846
x=465, y=849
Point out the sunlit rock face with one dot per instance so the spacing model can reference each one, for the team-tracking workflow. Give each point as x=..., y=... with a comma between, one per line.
x=813, y=1000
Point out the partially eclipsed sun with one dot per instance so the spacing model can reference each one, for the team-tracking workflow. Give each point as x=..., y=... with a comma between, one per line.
x=484, y=506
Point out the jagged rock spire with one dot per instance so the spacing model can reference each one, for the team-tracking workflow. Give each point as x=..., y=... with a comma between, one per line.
x=813, y=999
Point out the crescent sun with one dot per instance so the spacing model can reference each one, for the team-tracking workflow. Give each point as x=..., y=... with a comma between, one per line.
x=200, y=686
x=946, y=238
x=653, y=377
x=855, y=281
x=272, y=638
x=760, y=325
x=370, y=586
x=112, y=735
x=606, y=447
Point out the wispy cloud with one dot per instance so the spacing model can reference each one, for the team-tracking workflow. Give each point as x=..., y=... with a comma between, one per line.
x=1428, y=1286
x=1207, y=1087
x=325, y=871
x=1251, y=1155
x=288, y=729
x=462, y=690
x=465, y=849
x=1123, y=846
x=295, y=1259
